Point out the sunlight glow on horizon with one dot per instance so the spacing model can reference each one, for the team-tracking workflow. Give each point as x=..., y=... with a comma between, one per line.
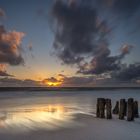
x=53, y=81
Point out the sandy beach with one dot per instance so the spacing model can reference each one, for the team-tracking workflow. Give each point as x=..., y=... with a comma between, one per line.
x=87, y=128
x=63, y=116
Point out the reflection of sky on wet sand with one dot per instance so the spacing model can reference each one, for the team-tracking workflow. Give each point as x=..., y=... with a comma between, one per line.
x=34, y=117
x=27, y=111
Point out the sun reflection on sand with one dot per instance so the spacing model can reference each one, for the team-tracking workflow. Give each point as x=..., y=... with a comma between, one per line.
x=36, y=117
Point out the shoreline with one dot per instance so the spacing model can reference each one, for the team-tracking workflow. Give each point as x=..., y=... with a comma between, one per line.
x=6, y=89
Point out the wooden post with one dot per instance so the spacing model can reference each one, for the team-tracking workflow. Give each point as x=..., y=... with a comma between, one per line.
x=122, y=109
x=136, y=111
x=102, y=108
x=116, y=108
x=108, y=109
x=125, y=108
x=130, y=109
x=97, y=108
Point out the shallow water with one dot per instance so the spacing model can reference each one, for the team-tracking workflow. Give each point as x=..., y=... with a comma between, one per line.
x=51, y=110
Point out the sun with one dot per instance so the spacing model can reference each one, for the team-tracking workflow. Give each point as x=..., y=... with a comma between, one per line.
x=50, y=83
x=53, y=81
x=53, y=84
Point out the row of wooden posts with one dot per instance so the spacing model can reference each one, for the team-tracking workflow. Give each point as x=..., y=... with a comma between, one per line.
x=122, y=108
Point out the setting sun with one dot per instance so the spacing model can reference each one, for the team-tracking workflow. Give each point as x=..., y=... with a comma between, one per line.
x=53, y=83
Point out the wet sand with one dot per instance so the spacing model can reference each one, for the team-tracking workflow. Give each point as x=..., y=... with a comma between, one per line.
x=87, y=127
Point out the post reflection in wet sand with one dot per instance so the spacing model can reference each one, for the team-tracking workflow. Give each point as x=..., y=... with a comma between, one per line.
x=35, y=117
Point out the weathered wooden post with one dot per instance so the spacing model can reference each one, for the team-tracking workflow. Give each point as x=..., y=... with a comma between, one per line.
x=130, y=109
x=108, y=109
x=136, y=111
x=122, y=109
x=125, y=108
x=97, y=108
x=116, y=108
x=102, y=108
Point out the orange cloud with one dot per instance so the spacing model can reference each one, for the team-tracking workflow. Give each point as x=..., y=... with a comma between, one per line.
x=2, y=67
x=14, y=39
x=3, y=71
x=10, y=47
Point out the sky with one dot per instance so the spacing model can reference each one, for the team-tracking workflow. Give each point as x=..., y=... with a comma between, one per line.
x=69, y=42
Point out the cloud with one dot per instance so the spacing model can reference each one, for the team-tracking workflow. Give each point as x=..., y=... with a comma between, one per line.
x=52, y=79
x=3, y=71
x=79, y=81
x=78, y=31
x=65, y=81
x=82, y=38
x=76, y=81
x=128, y=73
x=103, y=62
x=30, y=83
x=126, y=48
x=10, y=47
x=81, y=34
x=13, y=82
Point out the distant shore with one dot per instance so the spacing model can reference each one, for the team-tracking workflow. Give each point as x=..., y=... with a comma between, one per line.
x=65, y=88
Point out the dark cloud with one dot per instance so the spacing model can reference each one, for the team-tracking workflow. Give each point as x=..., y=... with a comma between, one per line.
x=4, y=73
x=78, y=81
x=83, y=38
x=10, y=47
x=78, y=31
x=128, y=73
x=52, y=79
x=103, y=62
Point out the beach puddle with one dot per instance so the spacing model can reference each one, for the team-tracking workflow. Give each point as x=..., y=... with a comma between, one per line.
x=50, y=117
